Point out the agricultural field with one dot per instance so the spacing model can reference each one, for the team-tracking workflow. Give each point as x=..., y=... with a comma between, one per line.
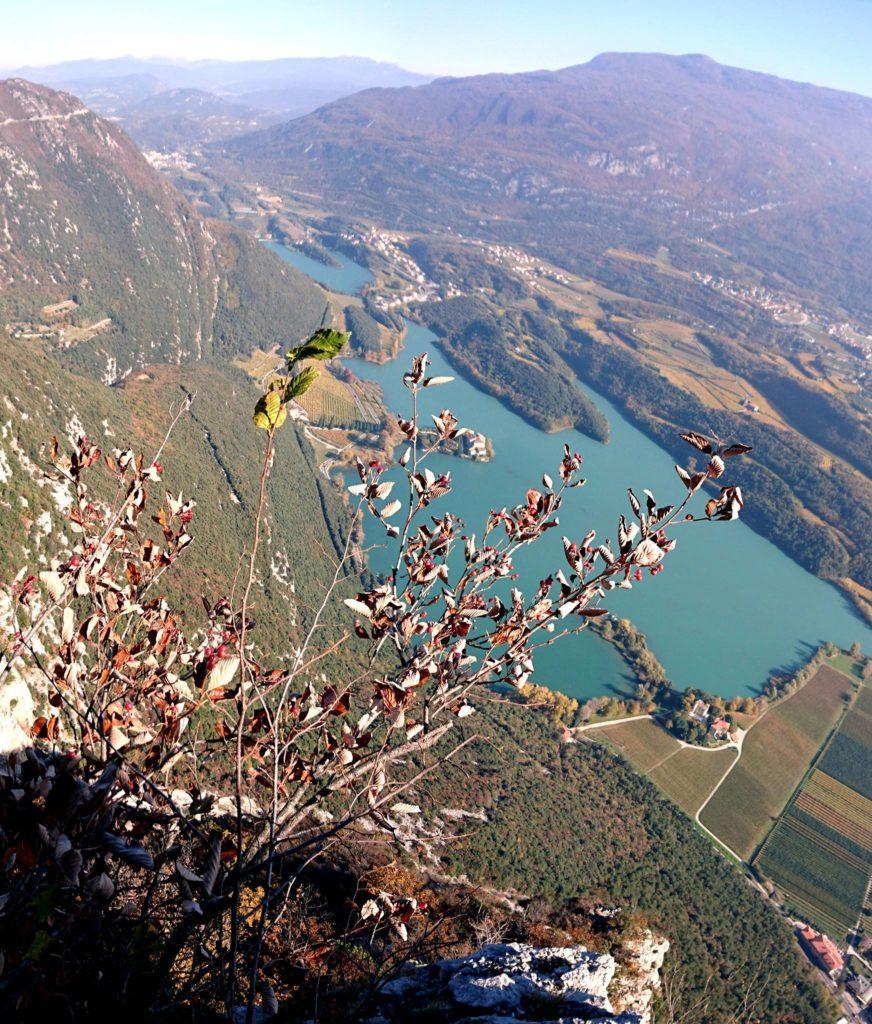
x=820, y=853
x=643, y=742
x=330, y=402
x=260, y=363
x=864, y=701
x=821, y=873
x=688, y=776
x=685, y=775
x=837, y=806
x=849, y=757
x=776, y=754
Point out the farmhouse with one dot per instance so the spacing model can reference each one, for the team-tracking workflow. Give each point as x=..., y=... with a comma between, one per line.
x=720, y=728
x=700, y=711
x=822, y=950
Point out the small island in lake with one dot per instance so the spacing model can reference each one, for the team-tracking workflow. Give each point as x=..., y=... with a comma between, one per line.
x=467, y=445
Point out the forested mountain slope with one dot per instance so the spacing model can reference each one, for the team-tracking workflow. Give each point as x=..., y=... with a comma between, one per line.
x=150, y=298
x=85, y=221
x=559, y=821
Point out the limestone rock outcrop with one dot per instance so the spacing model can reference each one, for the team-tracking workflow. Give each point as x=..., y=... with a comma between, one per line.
x=514, y=983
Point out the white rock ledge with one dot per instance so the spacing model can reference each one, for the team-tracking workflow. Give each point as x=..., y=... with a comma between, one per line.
x=519, y=984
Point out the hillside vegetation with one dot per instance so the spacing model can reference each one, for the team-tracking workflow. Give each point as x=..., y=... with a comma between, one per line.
x=206, y=455
x=88, y=221
x=575, y=820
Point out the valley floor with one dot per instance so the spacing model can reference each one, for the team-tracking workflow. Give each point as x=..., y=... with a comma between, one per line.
x=789, y=799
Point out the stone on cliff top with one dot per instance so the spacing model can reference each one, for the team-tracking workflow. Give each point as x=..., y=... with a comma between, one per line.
x=513, y=983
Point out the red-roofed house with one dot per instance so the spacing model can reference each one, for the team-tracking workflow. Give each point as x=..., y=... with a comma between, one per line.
x=822, y=950
x=720, y=728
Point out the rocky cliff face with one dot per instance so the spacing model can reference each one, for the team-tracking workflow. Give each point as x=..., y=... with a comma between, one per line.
x=515, y=984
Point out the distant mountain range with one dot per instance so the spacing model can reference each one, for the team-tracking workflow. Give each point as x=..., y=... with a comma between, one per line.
x=629, y=149
x=166, y=104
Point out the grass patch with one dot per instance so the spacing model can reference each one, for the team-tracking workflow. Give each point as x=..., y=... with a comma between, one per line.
x=690, y=775
x=644, y=743
x=845, y=663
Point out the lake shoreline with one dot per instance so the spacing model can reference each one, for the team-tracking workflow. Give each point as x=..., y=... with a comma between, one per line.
x=704, y=581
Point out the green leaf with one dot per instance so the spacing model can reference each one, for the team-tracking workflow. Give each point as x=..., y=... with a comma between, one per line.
x=325, y=343
x=300, y=384
x=270, y=411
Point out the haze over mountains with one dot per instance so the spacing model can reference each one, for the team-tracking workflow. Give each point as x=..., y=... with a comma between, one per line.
x=637, y=149
x=166, y=104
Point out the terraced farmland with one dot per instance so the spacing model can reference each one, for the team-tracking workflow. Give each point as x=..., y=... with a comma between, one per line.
x=776, y=755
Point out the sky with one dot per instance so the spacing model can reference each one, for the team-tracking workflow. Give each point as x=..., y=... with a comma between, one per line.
x=827, y=42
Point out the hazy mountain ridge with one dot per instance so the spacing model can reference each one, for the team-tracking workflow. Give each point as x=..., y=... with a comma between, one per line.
x=177, y=119
x=629, y=148
x=152, y=98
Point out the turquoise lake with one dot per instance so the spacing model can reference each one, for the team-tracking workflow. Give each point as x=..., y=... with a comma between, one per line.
x=348, y=277
x=729, y=607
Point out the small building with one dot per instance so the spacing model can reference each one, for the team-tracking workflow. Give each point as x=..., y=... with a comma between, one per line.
x=822, y=950
x=720, y=728
x=861, y=990
x=699, y=711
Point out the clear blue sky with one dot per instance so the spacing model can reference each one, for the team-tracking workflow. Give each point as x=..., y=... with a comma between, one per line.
x=828, y=42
